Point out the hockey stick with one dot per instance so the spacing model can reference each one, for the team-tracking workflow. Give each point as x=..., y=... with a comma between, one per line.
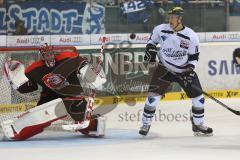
x=203, y=92
x=100, y=56
x=216, y=100
x=208, y=95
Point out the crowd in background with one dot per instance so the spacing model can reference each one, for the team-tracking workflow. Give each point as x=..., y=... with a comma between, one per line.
x=234, y=3
x=121, y=16
x=118, y=2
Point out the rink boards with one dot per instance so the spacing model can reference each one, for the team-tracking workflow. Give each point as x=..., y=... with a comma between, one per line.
x=125, y=100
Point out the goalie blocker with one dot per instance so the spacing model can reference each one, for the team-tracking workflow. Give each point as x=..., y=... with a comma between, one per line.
x=36, y=119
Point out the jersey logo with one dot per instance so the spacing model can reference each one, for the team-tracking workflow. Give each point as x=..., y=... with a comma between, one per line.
x=202, y=100
x=151, y=99
x=54, y=81
x=184, y=44
x=163, y=38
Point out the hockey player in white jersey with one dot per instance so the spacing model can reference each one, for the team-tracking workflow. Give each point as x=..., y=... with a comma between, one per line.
x=178, y=56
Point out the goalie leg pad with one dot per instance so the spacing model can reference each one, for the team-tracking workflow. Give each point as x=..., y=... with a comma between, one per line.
x=26, y=132
x=96, y=127
x=34, y=120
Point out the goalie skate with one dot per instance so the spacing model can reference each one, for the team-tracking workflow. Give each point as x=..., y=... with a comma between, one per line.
x=96, y=128
x=76, y=126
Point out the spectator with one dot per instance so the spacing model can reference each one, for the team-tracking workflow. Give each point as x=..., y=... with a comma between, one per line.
x=112, y=2
x=136, y=12
x=20, y=28
x=1, y=3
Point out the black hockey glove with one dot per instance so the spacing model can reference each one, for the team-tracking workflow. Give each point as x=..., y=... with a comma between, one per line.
x=150, y=53
x=236, y=56
x=188, y=75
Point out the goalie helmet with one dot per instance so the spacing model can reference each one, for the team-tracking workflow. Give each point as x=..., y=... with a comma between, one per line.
x=236, y=56
x=47, y=55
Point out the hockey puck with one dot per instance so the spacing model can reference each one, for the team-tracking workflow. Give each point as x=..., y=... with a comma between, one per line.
x=132, y=35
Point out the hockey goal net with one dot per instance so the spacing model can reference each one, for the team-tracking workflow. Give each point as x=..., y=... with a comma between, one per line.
x=13, y=103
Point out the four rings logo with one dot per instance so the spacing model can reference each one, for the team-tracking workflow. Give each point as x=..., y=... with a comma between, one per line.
x=36, y=40
x=116, y=38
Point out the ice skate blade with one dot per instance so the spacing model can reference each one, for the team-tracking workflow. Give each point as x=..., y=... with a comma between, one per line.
x=142, y=136
x=77, y=126
x=200, y=134
x=94, y=136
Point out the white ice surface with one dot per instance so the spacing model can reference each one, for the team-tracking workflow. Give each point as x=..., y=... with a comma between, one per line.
x=167, y=140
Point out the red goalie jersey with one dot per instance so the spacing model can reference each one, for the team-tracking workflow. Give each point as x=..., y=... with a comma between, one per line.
x=39, y=73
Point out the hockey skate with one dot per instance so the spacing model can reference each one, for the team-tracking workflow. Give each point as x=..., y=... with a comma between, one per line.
x=201, y=130
x=144, y=129
x=96, y=127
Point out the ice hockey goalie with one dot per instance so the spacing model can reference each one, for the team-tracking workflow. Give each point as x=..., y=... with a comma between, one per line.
x=61, y=94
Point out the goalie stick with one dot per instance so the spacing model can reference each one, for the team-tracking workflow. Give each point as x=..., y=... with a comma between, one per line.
x=89, y=107
x=100, y=56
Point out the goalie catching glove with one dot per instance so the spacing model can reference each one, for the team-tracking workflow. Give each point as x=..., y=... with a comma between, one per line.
x=14, y=72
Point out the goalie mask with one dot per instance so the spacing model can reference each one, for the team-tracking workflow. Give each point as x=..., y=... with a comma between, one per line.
x=236, y=56
x=47, y=55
